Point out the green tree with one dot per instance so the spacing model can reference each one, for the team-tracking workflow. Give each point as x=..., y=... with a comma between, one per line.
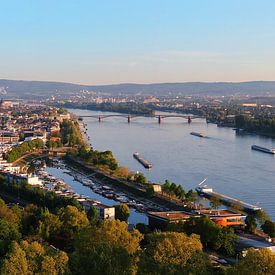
x=258, y=262
x=150, y=191
x=122, y=212
x=250, y=223
x=215, y=202
x=92, y=214
x=140, y=178
x=269, y=228
x=168, y=253
x=15, y=262
x=108, y=248
x=49, y=225
x=72, y=220
x=8, y=232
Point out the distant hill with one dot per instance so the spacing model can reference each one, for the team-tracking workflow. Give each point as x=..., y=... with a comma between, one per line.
x=20, y=88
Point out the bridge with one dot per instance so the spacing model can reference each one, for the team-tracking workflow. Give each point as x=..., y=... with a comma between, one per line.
x=129, y=118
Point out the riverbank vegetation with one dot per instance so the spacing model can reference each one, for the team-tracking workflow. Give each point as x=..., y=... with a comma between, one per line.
x=173, y=190
x=27, y=193
x=26, y=147
x=126, y=108
x=264, y=125
x=35, y=240
x=70, y=133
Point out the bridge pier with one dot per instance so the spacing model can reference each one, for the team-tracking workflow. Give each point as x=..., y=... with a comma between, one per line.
x=129, y=118
x=99, y=118
x=189, y=119
x=159, y=119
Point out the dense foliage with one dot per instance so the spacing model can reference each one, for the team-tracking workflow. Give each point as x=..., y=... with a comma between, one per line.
x=26, y=147
x=257, y=124
x=70, y=133
x=172, y=189
x=97, y=158
x=127, y=107
x=36, y=195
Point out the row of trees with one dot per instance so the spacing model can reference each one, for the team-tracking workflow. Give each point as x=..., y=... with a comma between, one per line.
x=177, y=191
x=100, y=159
x=36, y=195
x=26, y=147
x=257, y=124
x=260, y=218
x=127, y=107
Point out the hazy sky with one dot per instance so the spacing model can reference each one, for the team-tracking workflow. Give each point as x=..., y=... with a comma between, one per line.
x=114, y=41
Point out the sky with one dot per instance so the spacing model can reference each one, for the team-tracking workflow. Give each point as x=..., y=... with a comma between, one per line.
x=139, y=41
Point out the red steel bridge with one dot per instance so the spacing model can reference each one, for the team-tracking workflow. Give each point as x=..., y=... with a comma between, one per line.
x=159, y=118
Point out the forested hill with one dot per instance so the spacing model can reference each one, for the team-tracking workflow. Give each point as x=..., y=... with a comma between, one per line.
x=26, y=88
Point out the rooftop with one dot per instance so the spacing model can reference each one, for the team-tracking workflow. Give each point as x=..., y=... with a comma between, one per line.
x=171, y=215
x=217, y=213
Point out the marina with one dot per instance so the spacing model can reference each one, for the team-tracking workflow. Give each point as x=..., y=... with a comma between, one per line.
x=65, y=181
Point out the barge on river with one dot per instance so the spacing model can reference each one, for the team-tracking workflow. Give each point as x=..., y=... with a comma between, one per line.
x=197, y=134
x=141, y=160
x=208, y=192
x=263, y=149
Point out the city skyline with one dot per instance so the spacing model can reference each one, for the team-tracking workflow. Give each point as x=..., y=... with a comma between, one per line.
x=95, y=42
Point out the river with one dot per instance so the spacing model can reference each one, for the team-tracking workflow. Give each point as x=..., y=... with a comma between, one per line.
x=225, y=158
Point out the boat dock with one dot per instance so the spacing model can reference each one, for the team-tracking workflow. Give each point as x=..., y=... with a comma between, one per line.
x=141, y=160
x=209, y=193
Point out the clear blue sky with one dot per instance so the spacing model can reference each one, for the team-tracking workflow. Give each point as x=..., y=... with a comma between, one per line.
x=142, y=41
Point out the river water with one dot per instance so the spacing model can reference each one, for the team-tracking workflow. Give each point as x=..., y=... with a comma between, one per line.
x=225, y=158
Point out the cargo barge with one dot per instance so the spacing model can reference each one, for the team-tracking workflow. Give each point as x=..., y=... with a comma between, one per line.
x=208, y=193
x=144, y=162
x=263, y=149
x=197, y=134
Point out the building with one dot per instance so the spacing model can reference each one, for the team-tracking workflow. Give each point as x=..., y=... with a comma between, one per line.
x=223, y=217
x=160, y=220
x=19, y=178
x=157, y=188
x=8, y=137
x=105, y=212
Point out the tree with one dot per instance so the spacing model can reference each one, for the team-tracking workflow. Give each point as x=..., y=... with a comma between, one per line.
x=204, y=227
x=258, y=262
x=168, y=253
x=150, y=191
x=261, y=216
x=122, y=212
x=225, y=240
x=15, y=262
x=269, y=228
x=8, y=232
x=92, y=214
x=49, y=225
x=215, y=202
x=108, y=248
x=250, y=223
x=140, y=178
x=72, y=220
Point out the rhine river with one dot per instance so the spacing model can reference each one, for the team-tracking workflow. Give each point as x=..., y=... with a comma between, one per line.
x=224, y=158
